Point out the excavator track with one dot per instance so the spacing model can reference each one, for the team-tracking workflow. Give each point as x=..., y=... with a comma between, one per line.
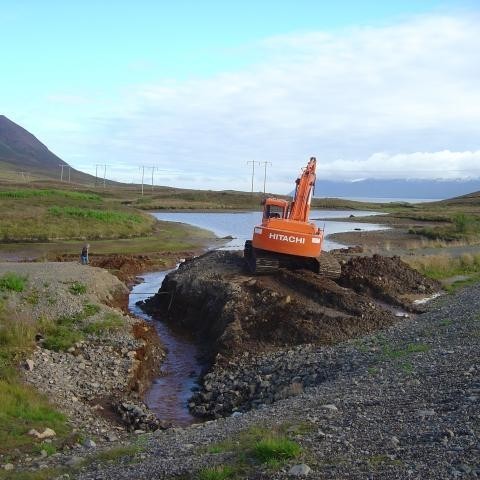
x=328, y=266
x=261, y=262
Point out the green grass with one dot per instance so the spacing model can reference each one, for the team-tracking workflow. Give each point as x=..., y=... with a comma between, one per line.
x=409, y=349
x=218, y=472
x=77, y=288
x=109, y=322
x=12, y=282
x=23, y=408
x=43, y=193
x=50, y=215
x=65, y=331
x=276, y=449
x=444, y=266
x=104, y=216
x=117, y=453
x=267, y=446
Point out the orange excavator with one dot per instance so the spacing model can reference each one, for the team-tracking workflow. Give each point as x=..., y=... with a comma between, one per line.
x=286, y=238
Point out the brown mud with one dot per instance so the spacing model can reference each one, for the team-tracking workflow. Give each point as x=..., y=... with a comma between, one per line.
x=127, y=267
x=232, y=312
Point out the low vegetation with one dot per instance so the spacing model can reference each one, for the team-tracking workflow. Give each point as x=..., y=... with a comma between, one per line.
x=21, y=407
x=462, y=270
x=459, y=226
x=268, y=447
x=38, y=215
x=64, y=332
x=12, y=282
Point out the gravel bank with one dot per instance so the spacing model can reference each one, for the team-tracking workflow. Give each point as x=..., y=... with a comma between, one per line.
x=402, y=403
x=106, y=366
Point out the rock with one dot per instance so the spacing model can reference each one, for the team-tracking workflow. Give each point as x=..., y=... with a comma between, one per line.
x=29, y=365
x=330, y=407
x=8, y=466
x=89, y=443
x=43, y=453
x=47, y=433
x=111, y=437
x=395, y=441
x=301, y=470
x=74, y=461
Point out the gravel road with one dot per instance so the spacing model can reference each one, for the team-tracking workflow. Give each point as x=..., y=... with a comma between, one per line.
x=404, y=404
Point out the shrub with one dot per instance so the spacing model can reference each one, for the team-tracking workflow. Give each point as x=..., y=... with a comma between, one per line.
x=11, y=281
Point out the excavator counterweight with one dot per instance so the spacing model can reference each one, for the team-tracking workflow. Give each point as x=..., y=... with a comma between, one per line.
x=286, y=237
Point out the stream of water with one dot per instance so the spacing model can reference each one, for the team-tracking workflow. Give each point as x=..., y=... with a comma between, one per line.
x=169, y=393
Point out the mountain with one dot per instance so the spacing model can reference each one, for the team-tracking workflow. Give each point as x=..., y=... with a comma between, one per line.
x=396, y=188
x=20, y=151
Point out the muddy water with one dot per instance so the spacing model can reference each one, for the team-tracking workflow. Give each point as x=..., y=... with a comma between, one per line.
x=168, y=396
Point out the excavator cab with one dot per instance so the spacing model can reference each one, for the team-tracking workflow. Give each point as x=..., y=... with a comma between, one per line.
x=274, y=208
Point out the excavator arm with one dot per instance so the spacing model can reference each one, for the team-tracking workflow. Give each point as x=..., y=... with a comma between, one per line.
x=305, y=184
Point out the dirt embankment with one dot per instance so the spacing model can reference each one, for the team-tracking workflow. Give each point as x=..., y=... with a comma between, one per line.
x=233, y=313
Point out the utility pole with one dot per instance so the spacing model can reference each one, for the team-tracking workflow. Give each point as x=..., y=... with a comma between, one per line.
x=153, y=170
x=253, y=162
x=96, y=173
x=265, y=174
x=69, y=168
x=62, y=166
x=142, y=168
x=104, y=174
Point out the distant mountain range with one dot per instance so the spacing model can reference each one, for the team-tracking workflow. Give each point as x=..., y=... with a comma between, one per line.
x=396, y=188
x=21, y=152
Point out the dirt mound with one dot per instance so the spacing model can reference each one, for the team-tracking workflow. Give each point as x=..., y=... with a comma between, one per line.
x=124, y=267
x=234, y=312
x=388, y=279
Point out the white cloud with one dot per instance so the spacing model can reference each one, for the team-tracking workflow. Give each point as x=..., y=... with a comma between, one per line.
x=348, y=97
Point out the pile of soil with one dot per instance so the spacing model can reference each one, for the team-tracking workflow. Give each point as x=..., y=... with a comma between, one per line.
x=388, y=279
x=232, y=312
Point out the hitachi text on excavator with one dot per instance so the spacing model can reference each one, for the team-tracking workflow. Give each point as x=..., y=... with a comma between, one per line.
x=286, y=238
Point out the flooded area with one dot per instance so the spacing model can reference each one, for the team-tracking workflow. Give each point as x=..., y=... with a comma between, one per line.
x=169, y=394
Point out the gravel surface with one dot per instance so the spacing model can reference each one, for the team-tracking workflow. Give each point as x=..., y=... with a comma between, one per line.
x=401, y=404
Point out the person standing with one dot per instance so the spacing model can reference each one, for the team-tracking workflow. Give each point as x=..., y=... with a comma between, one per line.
x=84, y=254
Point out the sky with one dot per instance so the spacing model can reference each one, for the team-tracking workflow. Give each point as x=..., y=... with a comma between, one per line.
x=199, y=88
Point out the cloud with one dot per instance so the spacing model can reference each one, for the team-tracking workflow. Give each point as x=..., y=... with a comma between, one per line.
x=395, y=101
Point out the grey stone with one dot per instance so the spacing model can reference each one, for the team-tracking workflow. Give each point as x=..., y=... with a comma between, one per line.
x=29, y=365
x=73, y=461
x=301, y=470
x=89, y=443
